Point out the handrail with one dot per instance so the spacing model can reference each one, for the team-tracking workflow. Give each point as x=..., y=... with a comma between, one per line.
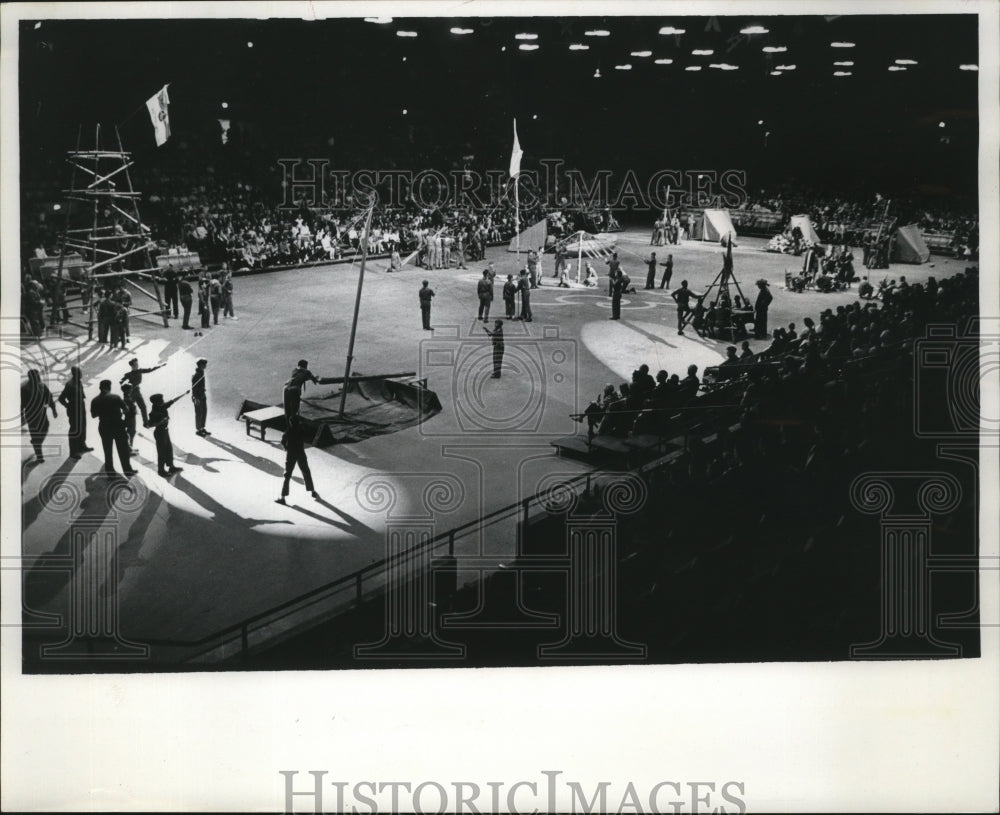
x=242, y=628
x=356, y=577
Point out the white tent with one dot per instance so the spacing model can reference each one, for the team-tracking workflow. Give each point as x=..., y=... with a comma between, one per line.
x=531, y=238
x=803, y=223
x=909, y=246
x=714, y=225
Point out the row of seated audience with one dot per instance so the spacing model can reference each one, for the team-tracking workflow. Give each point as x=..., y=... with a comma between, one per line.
x=852, y=332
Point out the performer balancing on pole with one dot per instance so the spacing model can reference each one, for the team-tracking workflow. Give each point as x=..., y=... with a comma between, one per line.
x=293, y=441
x=293, y=387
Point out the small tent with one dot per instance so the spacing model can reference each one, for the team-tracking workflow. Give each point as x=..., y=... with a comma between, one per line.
x=714, y=225
x=803, y=223
x=909, y=246
x=530, y=238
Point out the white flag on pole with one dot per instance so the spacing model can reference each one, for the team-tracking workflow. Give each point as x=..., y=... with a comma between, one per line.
x=157, y=106
x=515, y=155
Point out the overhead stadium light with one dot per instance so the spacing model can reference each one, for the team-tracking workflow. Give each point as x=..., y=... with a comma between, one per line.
x=625, y=67
x=527, y=47
x=378, y=20
x=597, y=32
x=841, y=44
x=702, y=52
x=940, y=124
x=664, y=61
x=693, y=68
x=845, y=63
x=969, y=67
x=641, y=54
x=579, y=46
x=461, y=31
x=906, y=62
x=774, y=49
x=842, y=73
x=754, y=29
x=776, y=73
x=724, y=66
x=669, y=30
x=785, y=68
x=406, y=33
x=597, y=73
x=249, y=44
x=525, y=36
x=896, y=68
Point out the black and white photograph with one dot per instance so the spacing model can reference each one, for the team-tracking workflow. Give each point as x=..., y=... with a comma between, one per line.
x=496, y=408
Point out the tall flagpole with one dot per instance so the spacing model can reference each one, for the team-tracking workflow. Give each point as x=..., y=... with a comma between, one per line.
x=357, y=306
x=579, y=257
x=517, y=219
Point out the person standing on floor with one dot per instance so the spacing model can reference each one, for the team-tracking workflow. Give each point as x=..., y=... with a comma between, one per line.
x=533, y=268
x=651, y=271
x=105, y=316
x=170, y=292
x=130, y=412
x=109, y=409
x=616, y=298
x=292, y=395
x=484, y=288
x=668, y=272
x=36, y=399
x=496, y=337
x=524, y=286
x=74, y=401
x=134, y=378
x=760, y=306
x=215, y=298
x=293, y=440
x=426, y=294
x=203, y=303
x=509, y=293
x=200, y=398
x=159, y=420
x=682, y=297
x=187, y=297
x=227, y=296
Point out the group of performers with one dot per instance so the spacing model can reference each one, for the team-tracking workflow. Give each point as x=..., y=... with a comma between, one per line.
x=825, y=270
x=116, y=415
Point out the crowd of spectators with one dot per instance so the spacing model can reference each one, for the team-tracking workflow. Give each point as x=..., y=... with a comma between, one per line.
x=851, y=334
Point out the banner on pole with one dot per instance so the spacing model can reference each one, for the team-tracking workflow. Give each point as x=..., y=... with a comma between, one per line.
x=515, y=155
x=159, y=115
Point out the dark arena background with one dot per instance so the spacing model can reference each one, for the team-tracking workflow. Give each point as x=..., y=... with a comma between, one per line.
x=776, y=459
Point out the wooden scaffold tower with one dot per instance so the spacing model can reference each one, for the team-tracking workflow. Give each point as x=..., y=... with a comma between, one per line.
x=103, y=225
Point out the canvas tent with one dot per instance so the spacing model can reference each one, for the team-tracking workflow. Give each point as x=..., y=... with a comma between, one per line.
x=713, y=225
x=803, y=223
x=530, y=238
x=909, y=246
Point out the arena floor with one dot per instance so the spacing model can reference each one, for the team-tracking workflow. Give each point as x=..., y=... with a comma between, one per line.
x=209, y=547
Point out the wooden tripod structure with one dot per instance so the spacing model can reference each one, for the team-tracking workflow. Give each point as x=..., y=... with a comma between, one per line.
x=104, y=226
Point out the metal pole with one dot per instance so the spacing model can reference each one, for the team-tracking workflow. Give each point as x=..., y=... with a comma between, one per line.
x=517, y=220
x=579, y=259
x=357, y=308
